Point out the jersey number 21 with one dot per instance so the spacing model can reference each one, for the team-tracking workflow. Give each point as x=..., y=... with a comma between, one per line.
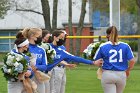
x=114, y=57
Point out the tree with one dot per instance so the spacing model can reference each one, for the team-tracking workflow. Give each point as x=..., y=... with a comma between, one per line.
x=45, y=13
x=70, y=25
x=4, y=6
x=80, y=26
x=138, y=32
x=54, y=20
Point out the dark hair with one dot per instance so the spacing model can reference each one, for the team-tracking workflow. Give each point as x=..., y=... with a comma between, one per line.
x=19, y=35
x=44, y=33
x=113, y=32
x=19, y=38
x=57, y=33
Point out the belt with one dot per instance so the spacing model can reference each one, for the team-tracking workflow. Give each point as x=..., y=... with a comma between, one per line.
x=112, y=70
x=62, y=66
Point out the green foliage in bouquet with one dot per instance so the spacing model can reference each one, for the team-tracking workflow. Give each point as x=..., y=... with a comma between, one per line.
x=91, y=49
x=28, y=54
x=14, y=64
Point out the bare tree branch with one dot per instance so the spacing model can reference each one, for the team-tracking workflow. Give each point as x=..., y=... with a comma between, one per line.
x=29, y=10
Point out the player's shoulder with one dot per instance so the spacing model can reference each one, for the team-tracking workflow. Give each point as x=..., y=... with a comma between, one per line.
x=122, y=43
x=40, y=48
x=62, y=47
x=105, y=44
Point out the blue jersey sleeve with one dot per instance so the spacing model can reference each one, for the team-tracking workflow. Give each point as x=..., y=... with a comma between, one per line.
x=71, y=57
x=129, y=53
x=67, y=56
x=43, y=65
x=50, y=66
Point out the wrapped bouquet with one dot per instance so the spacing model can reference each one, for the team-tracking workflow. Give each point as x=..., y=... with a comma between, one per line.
x=14, y=64
x=91, y=49
x=50, y=52
x=14, y=69
x=89, y=53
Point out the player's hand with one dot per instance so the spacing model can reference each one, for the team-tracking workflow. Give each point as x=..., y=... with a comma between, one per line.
x=34, y=68
x=71, y=65
x=28, y=73
x=98, y=62
x=127, y=73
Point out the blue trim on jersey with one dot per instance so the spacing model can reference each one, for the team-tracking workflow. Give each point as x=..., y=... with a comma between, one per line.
x=115, y=57
x=41, y=61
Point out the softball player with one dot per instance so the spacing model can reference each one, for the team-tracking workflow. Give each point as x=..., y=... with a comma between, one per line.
x=21, y=46
x=115, y=67
x=58, y=77
x=58, y=73
x=34, y=36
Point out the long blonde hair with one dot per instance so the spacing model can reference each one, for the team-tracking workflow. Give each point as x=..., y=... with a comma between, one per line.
x=113, y=34
x=28, y=32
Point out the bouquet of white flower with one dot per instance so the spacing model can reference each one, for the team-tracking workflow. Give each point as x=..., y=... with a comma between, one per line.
x=50, y=52
x=91, y=49
x=89, y=53
x=14, y=64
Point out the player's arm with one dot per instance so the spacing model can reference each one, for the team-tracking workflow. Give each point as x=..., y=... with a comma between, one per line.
x=43, y=66
x=130, y=67
x=131, y=64
x=67, y=64
x=81, y=60
x=131, y=59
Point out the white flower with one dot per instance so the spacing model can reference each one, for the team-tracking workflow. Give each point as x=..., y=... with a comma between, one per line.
x=9, y=62
x=49, y=51
x=52, y=56
x=54, y=52
x=85, y=51
x=18, y=57
x=10, y=58
x=88, y=53
x=19, y=68
x=5, y=69
x=45, y=46
x=93, y=45
x=9, y=70
x=16, y=64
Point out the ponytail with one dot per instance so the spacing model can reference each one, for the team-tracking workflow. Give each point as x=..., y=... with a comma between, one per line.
x=112, y=31
x=26, y=32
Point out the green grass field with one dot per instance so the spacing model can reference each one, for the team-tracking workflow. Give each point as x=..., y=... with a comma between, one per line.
x=83, y=80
